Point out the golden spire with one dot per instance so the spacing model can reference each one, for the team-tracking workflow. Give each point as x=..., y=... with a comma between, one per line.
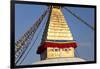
x=58, y=28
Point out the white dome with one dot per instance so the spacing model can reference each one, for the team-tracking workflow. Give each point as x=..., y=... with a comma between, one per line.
x=60, y=60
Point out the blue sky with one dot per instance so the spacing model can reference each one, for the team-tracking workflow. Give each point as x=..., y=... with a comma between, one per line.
x=26, y=15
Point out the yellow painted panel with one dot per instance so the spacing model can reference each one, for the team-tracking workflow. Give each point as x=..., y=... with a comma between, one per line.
x=60, y=53
x=68, y=53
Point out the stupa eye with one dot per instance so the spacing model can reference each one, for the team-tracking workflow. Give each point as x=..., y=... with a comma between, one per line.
x=66, y=49
x=56, y=49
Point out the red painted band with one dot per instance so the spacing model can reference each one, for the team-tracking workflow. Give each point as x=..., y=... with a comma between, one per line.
x=57, y=45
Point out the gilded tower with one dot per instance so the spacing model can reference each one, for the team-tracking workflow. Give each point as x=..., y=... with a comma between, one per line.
x=58, y=41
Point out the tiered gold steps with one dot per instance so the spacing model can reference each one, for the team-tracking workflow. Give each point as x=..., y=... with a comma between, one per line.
x=58, y=28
